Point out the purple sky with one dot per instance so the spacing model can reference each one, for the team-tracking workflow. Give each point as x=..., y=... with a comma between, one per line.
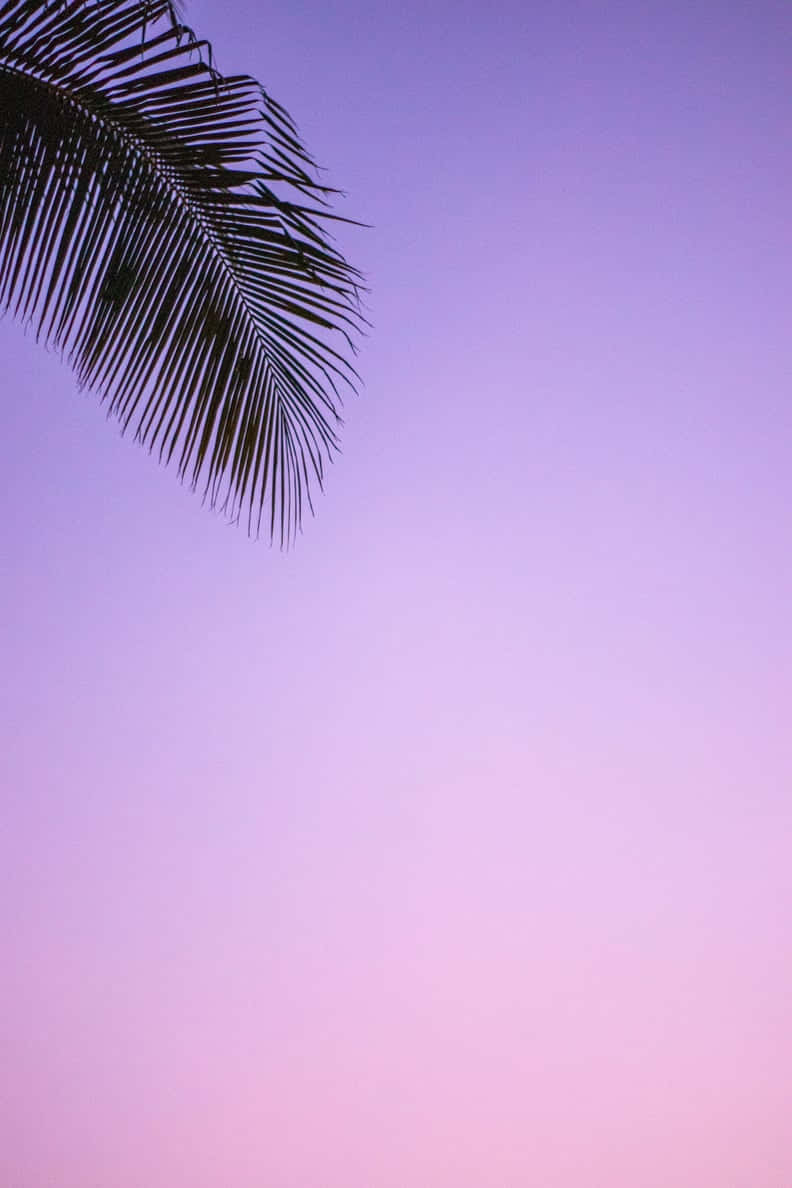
x=452, y=848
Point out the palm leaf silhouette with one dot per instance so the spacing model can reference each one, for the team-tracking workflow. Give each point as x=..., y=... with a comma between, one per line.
x=162, y=226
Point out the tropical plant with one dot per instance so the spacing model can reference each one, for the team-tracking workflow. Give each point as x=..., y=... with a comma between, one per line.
x=163, y=227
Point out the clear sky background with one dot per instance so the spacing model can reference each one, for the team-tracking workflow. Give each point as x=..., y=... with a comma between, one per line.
x=452, y=848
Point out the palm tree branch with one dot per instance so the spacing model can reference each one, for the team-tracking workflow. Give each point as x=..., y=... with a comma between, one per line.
x=153, y=223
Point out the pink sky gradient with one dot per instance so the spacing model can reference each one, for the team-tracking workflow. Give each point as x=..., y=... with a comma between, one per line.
x=452, y=849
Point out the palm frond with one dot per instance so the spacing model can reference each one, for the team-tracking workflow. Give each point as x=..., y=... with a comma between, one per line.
x=162, y=226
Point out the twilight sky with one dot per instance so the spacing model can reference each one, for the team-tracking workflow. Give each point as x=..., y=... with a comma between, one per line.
x=452, y=848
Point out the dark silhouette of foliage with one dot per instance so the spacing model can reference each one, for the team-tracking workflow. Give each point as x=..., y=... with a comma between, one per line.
x=162, y=226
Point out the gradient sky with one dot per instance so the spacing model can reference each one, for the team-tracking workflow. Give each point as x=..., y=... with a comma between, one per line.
x=452, y=848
